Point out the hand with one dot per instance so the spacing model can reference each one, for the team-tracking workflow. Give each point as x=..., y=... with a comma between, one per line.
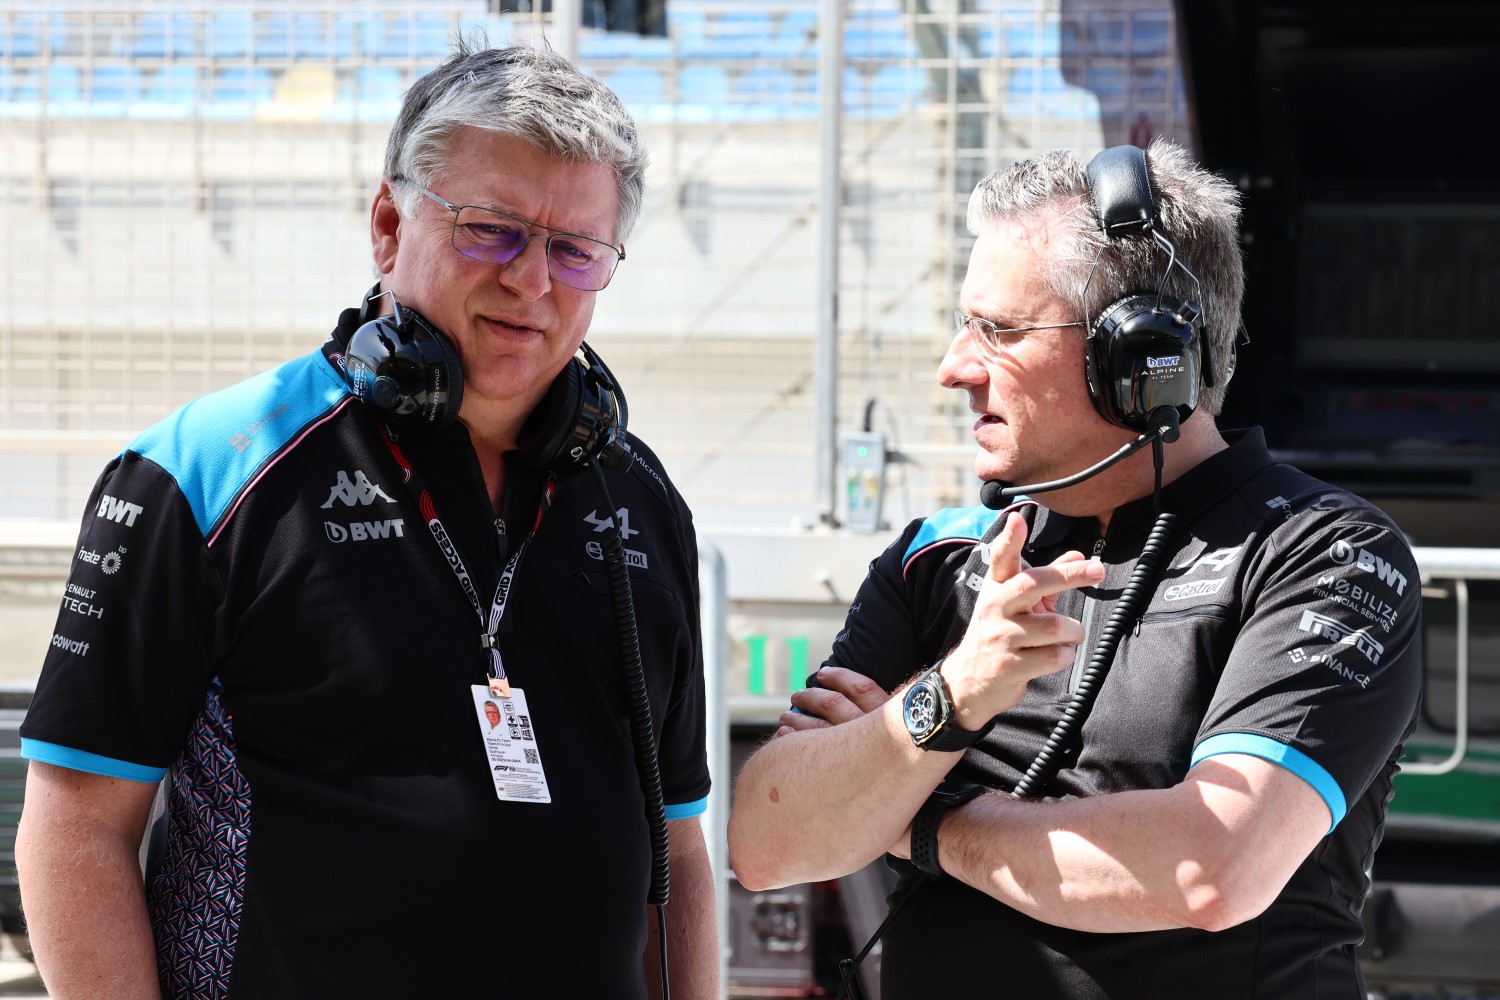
x=1015, y=633
x=842, y=696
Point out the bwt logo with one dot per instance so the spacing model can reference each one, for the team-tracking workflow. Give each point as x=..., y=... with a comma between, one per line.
x=118, y=511
x=1163, y=362
x=360, y=531
x=1343, y=554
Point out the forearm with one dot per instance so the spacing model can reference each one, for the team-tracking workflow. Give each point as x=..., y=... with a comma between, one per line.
x=692, y=920
x=822, y=803
x=1209, y=853
x=86, y=913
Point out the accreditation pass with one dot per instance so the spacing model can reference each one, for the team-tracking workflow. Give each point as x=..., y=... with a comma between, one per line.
x=515, y=761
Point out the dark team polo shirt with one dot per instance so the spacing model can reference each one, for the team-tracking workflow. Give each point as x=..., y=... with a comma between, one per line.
x=257, y=607
x=1286, y=625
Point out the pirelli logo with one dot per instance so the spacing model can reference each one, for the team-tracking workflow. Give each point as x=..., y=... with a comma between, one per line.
x=1337, y=631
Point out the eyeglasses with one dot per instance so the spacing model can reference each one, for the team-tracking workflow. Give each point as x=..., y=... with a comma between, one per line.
x=493, y=237
x=990, y=334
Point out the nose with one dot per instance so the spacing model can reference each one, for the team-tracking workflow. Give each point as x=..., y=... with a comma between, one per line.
x=527, y=274
x=962, y=366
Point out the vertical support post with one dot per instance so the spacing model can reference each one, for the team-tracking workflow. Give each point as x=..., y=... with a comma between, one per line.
x=713, y=617
x=830, y=201
x=567, y=16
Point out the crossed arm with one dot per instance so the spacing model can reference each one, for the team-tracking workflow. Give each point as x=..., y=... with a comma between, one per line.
x=841, y=781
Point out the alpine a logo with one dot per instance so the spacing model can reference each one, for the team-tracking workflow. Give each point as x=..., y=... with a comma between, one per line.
x=1343, y=554
x=1336, y=631
x=1163, y=362
x=361, y=531
x=359, y=491
x=604, y=523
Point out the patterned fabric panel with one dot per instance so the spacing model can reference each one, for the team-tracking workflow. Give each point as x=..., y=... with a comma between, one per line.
x=197, y=895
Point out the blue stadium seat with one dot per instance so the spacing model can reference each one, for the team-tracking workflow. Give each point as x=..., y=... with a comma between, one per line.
x=893, y=88
x=378, y=93
x=20, y=93
x=23, y=40
x=1025, y=41
x=67, y=33
x=1148, y=34
x=703, y=84
x=420, y=35
x=877, y=36
x=111, y=87
x=766, y=92
x=273, y=36
x=159, y=36
x=170, y=93
x=229, y=33
x=637, y=86
x=64, y=98
x=731, y=33
x=797, y=35
x=236, y=91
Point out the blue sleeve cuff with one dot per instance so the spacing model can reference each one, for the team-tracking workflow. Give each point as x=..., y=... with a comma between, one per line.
x=80, y=760
x=687, y=810
x=1292, y=759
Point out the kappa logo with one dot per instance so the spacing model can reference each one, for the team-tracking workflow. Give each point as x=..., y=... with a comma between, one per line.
x=118, y=511
x=1198, y=588
x=361, y=531
x=604, y=523
x=1336, y=631
x=1343, y=554
x=359, y=491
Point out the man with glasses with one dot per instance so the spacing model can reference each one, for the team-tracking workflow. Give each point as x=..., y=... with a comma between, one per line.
x=1201, y=825
x=294, y=623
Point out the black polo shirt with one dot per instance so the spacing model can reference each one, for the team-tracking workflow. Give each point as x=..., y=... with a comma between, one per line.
x=1286, y=625
x=258, y=607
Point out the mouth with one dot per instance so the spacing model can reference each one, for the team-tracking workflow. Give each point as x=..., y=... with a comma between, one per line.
x=985, y=420
x=508, y=326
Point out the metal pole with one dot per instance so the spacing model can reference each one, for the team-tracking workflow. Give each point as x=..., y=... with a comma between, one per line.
x=713, y=617
x=830, y=201
x=567, y=15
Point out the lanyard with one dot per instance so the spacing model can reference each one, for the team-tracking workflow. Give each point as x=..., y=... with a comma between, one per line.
x=489, y=624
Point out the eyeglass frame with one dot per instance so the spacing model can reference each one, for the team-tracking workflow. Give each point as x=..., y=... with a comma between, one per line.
x=554, y=233
x=988, y=332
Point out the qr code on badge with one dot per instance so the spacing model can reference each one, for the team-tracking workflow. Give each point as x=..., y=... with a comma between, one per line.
x=531, y=757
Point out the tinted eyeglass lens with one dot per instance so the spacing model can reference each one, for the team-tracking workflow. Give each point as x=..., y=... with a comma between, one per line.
x=576, y=261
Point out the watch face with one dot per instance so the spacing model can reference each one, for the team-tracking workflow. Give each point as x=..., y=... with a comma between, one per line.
x=920, y=710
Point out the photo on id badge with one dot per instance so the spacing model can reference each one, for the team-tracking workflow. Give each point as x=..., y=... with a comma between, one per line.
x=510, y=746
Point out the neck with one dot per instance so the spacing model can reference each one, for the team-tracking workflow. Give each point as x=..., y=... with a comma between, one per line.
x=491, y=439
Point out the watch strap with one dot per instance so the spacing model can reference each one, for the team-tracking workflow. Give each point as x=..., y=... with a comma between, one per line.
x=924, y=826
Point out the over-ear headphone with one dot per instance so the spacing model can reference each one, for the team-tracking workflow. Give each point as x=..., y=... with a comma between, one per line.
x=1147, y=349
x=405, y=368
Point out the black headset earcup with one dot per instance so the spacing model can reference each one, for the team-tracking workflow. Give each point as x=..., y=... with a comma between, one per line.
x=405, y=368
x=548, y=429
x=1143, y=353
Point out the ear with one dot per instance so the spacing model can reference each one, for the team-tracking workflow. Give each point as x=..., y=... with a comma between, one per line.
x=385, y=228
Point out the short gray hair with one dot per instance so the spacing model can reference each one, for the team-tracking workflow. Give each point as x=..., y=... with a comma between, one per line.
x=526, y=91
x=1197, y=211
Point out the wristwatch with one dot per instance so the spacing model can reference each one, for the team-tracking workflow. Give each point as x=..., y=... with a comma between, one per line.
x=924, y=827
x=928, y=711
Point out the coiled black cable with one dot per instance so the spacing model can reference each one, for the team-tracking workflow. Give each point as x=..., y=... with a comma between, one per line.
x=1121, y=620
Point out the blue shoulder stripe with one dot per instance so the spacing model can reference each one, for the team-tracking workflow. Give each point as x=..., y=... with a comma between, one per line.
x=82, y=760
x=951, y=523
x=214, y=445
x=1291, y=758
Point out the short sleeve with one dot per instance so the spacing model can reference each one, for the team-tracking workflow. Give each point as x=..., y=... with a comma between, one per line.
x=683, y=750
x=879, y=638
x=131, y=657
x=1326, y=674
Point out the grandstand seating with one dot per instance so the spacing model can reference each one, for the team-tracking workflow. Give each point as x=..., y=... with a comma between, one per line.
x=732, y=61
